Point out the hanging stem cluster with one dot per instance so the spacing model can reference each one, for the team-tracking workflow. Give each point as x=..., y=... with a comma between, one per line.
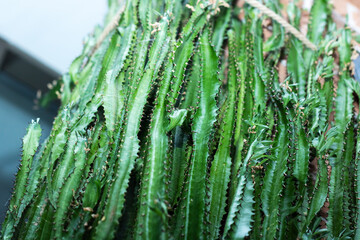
x=178, y=126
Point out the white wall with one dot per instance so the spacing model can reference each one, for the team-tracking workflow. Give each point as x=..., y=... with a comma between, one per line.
x=50, y=30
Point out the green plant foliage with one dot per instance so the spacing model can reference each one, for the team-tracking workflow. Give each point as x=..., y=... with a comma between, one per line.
x=178, y=126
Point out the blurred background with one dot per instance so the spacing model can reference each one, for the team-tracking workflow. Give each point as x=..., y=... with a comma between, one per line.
x=38, y=41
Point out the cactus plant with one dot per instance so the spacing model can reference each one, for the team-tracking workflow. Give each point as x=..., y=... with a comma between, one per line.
x=175, y=124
